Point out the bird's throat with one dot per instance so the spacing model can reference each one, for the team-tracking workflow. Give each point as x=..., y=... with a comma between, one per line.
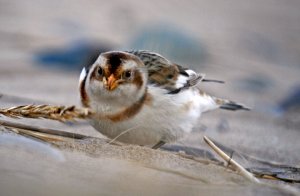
x=129, y=112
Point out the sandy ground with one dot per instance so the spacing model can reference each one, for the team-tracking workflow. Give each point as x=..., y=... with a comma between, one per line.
x=243, y=40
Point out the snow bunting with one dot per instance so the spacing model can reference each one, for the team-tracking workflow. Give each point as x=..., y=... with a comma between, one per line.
x=143, y=98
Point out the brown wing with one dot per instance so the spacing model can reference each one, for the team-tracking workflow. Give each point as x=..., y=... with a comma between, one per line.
x=166, y=74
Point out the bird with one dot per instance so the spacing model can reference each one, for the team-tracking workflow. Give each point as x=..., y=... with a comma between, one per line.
x=140, y=97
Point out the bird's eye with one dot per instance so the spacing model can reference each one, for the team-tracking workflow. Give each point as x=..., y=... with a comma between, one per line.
x=127, y=74
x=100, y=71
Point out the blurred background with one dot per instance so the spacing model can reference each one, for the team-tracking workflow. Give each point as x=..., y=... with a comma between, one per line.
x=252, y=45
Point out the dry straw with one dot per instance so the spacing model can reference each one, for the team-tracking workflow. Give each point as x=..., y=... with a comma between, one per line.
x=236, y=165
x=60, y=113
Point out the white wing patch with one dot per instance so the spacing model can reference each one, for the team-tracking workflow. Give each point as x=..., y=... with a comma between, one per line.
x=190, y=72
x=181, y=81
x=192, y=79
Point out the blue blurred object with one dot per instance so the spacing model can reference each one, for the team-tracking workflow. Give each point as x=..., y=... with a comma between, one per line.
x=73, y=57
x=291, y=101
x=173, y=43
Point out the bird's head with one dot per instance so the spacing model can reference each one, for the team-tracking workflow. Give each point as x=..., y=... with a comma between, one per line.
x=115, y=76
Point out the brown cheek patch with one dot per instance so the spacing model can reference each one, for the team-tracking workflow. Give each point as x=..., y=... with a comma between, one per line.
x=83, y=95
x=138, y=80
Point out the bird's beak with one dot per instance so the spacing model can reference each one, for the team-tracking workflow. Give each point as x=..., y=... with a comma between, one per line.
x=111, y=83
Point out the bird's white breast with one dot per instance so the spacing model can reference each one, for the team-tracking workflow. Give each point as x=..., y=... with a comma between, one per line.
x=164, y=117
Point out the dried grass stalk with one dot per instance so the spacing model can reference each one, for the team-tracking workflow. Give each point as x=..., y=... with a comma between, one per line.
x=40, y=136
x=60, y=113
x=14, y=125
x=236, y=165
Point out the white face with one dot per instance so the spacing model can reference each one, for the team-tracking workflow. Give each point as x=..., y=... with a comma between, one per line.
x=120, y=84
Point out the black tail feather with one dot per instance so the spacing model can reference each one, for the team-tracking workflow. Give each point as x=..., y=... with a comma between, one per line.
x=230, y=105
x=213, y=80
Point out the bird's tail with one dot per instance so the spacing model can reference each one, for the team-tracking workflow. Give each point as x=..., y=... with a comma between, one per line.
x=209, y=102
x=230, y=105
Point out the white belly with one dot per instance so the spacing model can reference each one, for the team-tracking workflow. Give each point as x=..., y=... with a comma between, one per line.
x=167, y=118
